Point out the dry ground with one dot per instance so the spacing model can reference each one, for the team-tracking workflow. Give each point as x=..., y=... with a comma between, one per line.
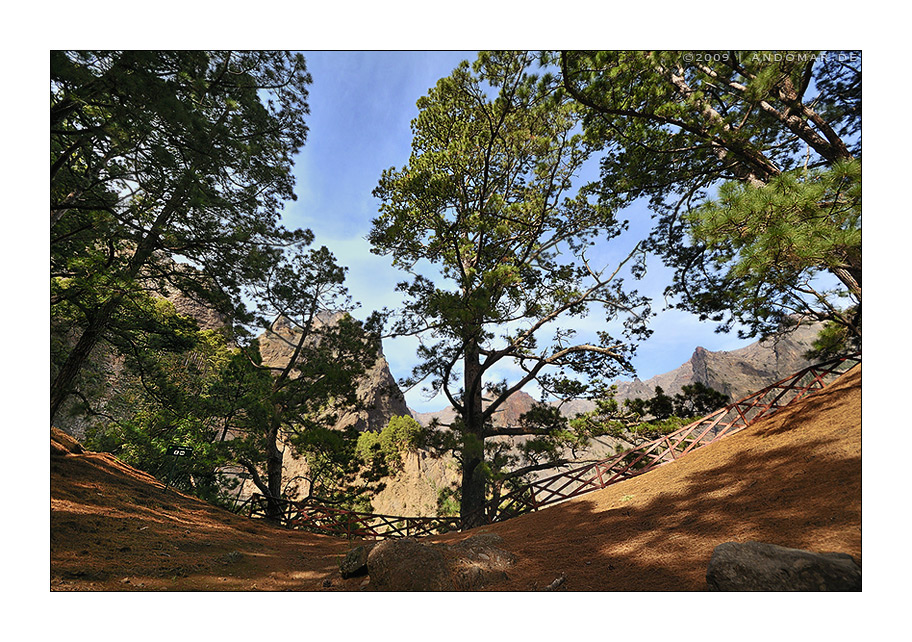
x=793, y=480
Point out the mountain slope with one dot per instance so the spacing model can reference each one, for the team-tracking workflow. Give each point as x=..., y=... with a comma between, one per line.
x=793, y=479
x=115, y=528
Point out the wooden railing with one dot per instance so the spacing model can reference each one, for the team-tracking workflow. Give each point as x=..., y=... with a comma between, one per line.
x=311, y=516
x=314, y=517
x=671, y=447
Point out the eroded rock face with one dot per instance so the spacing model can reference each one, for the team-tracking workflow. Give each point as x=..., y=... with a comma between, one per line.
x=415, y=488
x=736, y=373
x=409, y=565
x=756, y=566
x=377, y=390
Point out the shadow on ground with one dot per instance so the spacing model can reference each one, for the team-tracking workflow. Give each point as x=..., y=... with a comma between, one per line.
x=792, y=480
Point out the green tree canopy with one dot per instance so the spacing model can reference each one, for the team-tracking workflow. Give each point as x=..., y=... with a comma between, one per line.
x=162, y=157
x=169, y=172
x=382, y=451
x=752, y=162
x=487, y=200
x=327, y=351
x=698, y=400
x=233, y=409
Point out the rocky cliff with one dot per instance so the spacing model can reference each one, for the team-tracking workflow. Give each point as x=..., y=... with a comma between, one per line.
x=414, y=491
x=378, y=394
x=736, y=373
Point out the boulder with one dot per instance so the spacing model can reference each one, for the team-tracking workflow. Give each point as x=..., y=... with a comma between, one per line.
x=409, y=565
x=757, y=566
x=478, y=561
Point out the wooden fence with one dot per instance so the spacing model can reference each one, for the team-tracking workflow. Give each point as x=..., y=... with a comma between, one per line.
x=314, y=517
x=726, y=421
x=671, y=447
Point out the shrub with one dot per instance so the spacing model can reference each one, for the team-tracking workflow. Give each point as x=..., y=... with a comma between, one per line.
x=383, y=451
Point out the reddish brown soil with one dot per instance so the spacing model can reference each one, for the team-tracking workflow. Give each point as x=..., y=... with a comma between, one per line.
x=792, y=480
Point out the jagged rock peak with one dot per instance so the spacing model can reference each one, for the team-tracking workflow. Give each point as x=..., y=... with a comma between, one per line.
x=324, y=317
x=377, y=389
x=736, y=373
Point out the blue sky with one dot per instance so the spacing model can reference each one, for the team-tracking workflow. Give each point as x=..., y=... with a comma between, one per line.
x=362, y=104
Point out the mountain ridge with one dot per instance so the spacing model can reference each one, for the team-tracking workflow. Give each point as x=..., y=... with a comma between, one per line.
x=735, y=373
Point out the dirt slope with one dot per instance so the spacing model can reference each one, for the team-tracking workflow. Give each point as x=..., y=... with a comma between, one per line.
x=116, y=528
x=792, y=480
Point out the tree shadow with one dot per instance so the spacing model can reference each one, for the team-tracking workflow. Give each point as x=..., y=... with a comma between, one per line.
x=656, y=532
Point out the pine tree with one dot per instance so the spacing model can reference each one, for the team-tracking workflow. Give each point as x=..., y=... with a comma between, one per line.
x=162, y=157
x=487, y=199
x=752, y=161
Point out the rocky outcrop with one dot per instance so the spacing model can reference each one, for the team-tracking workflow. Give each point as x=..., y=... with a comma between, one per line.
x=378, y=394
x=757, y=566
x=207, y=317
x=408, y=565
x=379, y=399
x=736, y=373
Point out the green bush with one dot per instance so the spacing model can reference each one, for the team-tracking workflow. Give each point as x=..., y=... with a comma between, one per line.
x=383, y=451
x=448, y=502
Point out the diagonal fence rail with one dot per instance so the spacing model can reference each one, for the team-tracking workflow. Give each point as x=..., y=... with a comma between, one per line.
x=671, y=447
x=312, y=516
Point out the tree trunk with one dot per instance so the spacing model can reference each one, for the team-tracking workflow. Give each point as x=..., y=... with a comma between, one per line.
x=274, y=456
x=66, y=377
x=471, y=508
x=849, y=273
x=65, y=380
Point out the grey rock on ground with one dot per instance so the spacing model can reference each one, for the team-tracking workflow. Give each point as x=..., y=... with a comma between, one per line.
x=409, y=565
x=757, y=566
x=355, y=562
